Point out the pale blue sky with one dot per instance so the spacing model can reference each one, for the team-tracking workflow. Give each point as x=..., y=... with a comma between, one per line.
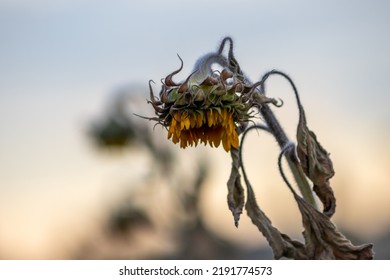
x=47, y=46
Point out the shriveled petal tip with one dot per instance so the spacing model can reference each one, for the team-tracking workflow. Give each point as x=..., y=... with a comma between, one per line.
x=235, y=142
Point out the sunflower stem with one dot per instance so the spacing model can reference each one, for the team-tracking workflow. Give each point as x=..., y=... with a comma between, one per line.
x=282, y=139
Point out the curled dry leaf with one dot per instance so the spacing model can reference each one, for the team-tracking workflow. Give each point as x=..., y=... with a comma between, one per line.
x=316, y=164
x=324, y=241
x=322, y=238
x=282, y=245
x=236, y=196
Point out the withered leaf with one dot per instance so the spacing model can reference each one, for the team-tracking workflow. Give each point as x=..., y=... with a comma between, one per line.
x=322, y=238
x=316, y=164
x=282, y=245
x=326, y=195
x=324, y=241
x=236, y=196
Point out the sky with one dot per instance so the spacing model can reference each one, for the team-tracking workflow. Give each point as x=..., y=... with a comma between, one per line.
x=61, y=61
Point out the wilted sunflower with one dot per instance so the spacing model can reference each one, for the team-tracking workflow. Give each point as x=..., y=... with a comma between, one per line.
x=208, y=107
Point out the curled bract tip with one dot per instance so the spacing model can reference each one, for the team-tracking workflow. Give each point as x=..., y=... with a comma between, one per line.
x=168, y=80
x=278, y=102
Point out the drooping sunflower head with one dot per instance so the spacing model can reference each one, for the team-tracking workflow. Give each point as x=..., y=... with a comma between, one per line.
x=208, y=107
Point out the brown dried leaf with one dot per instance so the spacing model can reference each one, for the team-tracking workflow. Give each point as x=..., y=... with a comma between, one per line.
x=316, y=164
x=314, y=158
x=236, y=196
x=326, y=195
x=282, y=245
x=324, y=241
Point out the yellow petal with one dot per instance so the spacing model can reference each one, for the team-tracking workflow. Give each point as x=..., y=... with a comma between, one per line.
x=235, y=141
x=226, y=144
x=199, y=121
x=193, y=120
x=210, y=119
x=187, y=123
